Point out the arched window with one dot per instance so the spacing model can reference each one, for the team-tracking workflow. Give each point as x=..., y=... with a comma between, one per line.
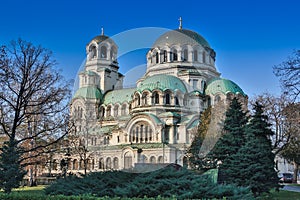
x=204, y=57
x=157, y=58
x=137, y=100
x=116, y=163
x=185, y=55
x=88, y=164
x=123, y=109
x=137, y=134
x=103, y=52
x=152, y=159
x=146, y=133
x=217, y=99
x=145, y=98
x=108, y=111
x=93, y=52
x=108, y=163
x=150, y=134
x=168, y=98
x=175, y=55
x=80, y=112
x=127, y=160
x=116, y=110
x=81, y=164
x=160, y=159
x=106, y=140
x=133, y=136
x=113, y=53
x=142, y=134
x=165, y=56
x=101, y=163
x=102, y=112
x=156, y=98
x=176, y=101
x=195, y=55
x=75, y=164
x=203, y=85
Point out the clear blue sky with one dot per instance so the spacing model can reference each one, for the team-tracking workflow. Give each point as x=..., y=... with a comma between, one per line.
x=250, y=37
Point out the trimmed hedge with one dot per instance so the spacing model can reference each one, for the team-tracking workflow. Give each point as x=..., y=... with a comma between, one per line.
x=166, y=183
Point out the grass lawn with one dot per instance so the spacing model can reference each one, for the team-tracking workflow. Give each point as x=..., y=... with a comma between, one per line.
x=281, y=195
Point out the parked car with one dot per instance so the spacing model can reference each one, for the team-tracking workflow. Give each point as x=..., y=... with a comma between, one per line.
x=285, y=177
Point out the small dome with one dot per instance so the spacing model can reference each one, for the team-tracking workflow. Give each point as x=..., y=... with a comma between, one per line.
x=223, y=86
x=180, y=36
x=162, y=82
x=101, y=38
x=89, y=92
x=118, y=96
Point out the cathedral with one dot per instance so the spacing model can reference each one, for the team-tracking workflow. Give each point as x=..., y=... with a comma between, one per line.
x=154, y=122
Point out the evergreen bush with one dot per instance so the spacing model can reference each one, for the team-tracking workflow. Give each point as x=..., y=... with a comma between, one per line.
x=164, y=183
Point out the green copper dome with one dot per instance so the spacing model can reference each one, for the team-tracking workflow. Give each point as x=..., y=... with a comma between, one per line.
x=88, y=92
x=162, y=82
x=118, y=96
x=89, y=73
x=180, y=36
x=220, y=85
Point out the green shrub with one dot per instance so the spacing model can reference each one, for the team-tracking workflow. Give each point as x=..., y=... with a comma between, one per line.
x=166, y=183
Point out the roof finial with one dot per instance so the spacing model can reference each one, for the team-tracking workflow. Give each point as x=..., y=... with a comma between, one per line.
x=102, y=31
x=180, y=23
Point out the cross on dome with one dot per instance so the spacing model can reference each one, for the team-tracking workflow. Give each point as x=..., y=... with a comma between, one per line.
x=180, y=23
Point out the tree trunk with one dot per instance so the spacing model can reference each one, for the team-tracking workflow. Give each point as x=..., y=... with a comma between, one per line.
x=295, y=176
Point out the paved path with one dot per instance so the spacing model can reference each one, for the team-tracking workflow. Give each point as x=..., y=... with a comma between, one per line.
x=291, y=188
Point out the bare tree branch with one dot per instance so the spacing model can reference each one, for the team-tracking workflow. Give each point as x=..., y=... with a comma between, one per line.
x=289, y=75
x=34, y=98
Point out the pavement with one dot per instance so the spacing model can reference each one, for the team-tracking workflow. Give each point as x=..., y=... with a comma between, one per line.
x=292, y=188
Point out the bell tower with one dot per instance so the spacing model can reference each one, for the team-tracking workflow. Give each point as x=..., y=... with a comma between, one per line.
x=101, y=58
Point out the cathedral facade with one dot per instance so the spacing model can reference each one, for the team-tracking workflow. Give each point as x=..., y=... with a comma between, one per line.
x=154, y=122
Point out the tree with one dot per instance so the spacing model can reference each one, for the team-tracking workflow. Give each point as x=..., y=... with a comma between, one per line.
x=78, y=147
x=196, y=160
x=291, y=151
x=33, y=100
x=233, y=133
x=289, y=75
x=278, y=112
x=11, y=172
x=253, y=165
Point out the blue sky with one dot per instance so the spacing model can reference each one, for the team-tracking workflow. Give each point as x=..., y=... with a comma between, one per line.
x=249, y=37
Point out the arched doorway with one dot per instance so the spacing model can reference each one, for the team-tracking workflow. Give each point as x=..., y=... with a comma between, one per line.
x=127, y=160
